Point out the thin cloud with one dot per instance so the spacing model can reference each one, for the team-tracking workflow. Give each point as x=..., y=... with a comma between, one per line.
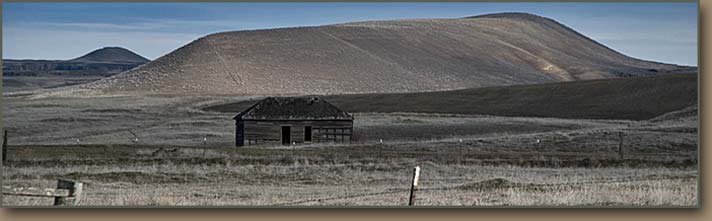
x=148, y=44
x=87, y=25
x=156, y=25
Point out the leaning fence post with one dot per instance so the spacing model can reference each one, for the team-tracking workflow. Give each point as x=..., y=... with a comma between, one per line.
x=74, y=189
x=414, y=184
x=4, y=147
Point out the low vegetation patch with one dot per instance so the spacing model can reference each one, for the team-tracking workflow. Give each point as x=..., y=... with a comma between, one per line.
x=637, y=98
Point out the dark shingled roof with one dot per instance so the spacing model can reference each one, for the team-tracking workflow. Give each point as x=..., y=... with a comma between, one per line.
x=293, y=108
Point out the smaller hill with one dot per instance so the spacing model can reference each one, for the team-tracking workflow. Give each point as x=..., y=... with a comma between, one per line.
x=111, y=55
x=23, y=75
x=102, y=62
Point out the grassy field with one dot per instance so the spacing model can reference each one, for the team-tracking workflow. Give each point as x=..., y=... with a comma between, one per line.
x=638, y=98
x=466, y=159
x=576, y=165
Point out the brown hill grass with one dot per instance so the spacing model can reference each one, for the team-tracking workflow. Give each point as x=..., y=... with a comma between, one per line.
x=627, y=98
x=378, y=57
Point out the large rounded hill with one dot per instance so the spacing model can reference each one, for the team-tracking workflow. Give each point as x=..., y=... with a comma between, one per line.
x=377, y=56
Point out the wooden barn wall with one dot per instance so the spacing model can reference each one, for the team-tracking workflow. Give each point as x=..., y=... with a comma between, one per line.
x=262, y=132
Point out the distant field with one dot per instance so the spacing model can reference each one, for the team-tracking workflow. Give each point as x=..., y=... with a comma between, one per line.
x=627, y=98
x=22, y=83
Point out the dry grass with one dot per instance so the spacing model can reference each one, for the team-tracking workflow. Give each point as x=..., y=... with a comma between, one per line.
x=279, y=177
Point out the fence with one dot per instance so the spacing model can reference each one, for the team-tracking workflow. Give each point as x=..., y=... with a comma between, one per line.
x=67, y=193
x=486, y=185
x=4, y=147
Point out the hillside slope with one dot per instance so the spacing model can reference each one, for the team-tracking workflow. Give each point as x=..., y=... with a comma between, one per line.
x=378, y=57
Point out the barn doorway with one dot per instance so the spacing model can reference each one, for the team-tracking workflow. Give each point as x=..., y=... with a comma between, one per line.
x=240, y=134
x=307, y=134
x=286, y=135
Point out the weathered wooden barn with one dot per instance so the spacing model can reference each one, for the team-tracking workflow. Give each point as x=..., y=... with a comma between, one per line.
x=288, y=120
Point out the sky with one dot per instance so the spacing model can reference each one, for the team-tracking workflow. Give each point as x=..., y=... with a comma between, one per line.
x=663, y=32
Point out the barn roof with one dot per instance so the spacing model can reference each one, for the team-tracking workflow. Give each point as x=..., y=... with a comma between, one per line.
x=293, y=108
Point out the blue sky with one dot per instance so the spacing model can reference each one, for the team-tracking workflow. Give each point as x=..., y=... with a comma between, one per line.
x=665, y=32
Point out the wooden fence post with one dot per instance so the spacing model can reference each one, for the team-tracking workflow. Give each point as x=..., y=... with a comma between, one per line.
x=205, y=145
x=414, y=184
x=4, y=147
x=620, y=145
x=75, y=192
